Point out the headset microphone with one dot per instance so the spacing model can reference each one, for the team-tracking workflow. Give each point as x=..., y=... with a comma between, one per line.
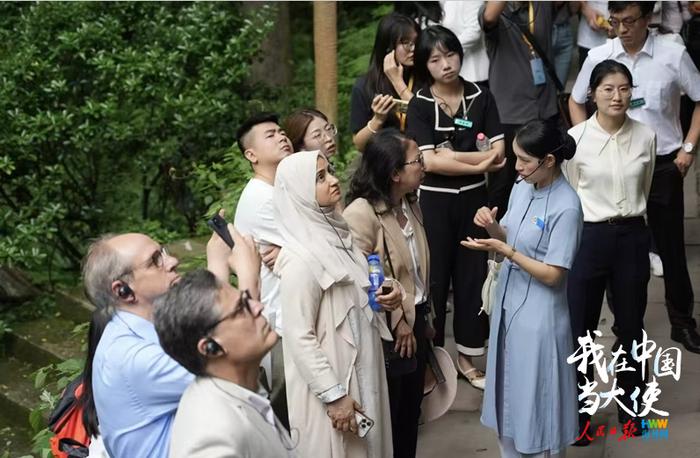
x=521, y=178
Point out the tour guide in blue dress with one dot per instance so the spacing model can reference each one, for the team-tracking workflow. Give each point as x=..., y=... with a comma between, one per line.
x=530, y=396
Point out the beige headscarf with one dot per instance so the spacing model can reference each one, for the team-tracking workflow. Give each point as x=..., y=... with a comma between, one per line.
x=320, y=236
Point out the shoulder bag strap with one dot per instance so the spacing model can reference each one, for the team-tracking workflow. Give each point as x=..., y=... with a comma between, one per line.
x=529, y=40
x=388, y=258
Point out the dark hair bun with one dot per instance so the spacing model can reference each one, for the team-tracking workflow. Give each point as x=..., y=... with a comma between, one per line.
x=538, y=138
x=568, y=146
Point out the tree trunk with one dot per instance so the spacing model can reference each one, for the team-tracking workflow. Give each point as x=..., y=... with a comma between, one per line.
x=325, y=58
x=274, y=63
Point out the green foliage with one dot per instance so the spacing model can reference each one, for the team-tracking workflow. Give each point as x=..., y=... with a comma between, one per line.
x=39, y=306
x=104, y=107
x=51, y=380
x=41, y=444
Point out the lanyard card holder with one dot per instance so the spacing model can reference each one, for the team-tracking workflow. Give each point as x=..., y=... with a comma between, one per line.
x=537, y=67
x=464, y=123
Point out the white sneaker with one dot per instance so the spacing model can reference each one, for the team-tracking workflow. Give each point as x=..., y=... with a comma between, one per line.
x=657, y=268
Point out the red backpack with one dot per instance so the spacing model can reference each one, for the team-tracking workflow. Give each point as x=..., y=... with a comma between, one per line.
x=66, y=421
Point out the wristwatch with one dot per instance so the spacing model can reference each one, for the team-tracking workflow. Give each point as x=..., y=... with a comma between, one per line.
x=689, y=148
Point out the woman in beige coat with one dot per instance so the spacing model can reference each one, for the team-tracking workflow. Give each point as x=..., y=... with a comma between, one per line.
x=333, y=357
x=385, y=218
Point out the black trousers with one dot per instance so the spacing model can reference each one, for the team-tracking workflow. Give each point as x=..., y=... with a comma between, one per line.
x=617, y=255
x=406, y=394
x=448, y=219
x=501, y=182
x=665, y=213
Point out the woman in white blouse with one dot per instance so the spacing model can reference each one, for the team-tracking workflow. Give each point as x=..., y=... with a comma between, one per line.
x=611, y=172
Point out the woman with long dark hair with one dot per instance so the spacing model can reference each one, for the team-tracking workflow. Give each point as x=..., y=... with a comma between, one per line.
x=612, y=173
x=98, y=321
x=445, y=118
x=379, y=97
x=530, y=396
x=384, y=217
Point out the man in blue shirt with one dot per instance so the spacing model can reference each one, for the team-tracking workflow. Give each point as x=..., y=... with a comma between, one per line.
x=136, y=385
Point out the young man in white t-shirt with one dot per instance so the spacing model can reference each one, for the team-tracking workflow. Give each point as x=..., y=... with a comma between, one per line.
x=264, y=144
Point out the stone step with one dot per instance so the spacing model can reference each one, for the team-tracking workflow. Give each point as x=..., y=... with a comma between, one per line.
x=73, y=305
x=18, y=396
x=45, y=341
x=692, y=231
x=14, y=438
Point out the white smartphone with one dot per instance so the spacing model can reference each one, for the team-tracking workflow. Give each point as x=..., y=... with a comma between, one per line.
x=364, y=424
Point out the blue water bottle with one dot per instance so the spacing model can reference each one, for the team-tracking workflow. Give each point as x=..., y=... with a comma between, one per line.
x=376, y=278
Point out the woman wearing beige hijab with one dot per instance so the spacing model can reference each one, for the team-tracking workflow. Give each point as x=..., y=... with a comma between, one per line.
x=333, y=356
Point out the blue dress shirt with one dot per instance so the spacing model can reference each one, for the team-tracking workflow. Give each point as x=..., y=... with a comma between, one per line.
x=137, y=388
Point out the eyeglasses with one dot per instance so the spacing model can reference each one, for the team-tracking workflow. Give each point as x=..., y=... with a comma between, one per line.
x=628, y=21
x=408, y=45
x=156, y=260
x=243, y=304
x=608, y=92
x=416, y=161
x=330, y=131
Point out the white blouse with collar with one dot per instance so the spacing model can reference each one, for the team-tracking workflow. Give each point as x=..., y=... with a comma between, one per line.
x=612, y=173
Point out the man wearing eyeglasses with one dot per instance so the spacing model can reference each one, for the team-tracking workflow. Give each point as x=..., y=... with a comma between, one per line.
x=264, y=144
x=136, y=385
x=662, y=70
x=220, y=335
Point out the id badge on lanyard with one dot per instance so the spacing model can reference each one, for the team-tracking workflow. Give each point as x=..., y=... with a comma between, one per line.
x=537, y=67
x=536, y=64
x=464, y=123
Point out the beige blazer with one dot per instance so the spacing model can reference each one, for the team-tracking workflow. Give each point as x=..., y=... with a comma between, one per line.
x=321, y=353
x=217, y=418
x=368, y=224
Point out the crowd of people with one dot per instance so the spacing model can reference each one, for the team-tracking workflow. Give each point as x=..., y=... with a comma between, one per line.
x=463, y=157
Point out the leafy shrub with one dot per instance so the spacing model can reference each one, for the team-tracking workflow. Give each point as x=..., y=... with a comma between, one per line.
x=103, y=106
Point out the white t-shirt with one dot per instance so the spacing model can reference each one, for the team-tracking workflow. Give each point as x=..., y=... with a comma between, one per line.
x=661, y=71
x=255, y=217
x=462, y=18
x=587, y=37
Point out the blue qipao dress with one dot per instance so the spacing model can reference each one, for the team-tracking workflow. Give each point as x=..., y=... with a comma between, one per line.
x=530, y=393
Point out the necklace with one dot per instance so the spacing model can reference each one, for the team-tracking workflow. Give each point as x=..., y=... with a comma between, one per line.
x=445, y=105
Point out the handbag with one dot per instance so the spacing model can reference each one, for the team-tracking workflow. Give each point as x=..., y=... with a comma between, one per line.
x=488, y=290
x=395, y=364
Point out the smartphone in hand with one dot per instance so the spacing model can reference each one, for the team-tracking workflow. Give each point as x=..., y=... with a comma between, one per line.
x=219, y=225
x=401, y=105
x=364, y=424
